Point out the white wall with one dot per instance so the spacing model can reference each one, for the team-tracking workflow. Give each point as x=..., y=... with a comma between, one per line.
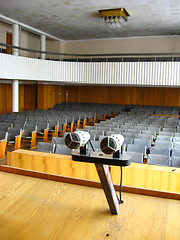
x=30, y=41
x=4, y=28
x=125, y=45
x=53, y=46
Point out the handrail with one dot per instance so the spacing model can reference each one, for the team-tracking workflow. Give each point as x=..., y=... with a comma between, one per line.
x=90, y=55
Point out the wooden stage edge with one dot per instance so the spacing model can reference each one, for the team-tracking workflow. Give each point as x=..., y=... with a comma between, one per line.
x=83, y=182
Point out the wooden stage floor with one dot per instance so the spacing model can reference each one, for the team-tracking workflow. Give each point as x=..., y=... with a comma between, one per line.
x=37, y=209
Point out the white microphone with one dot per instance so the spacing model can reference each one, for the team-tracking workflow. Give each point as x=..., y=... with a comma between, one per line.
x=111, y=144
x=77, y=139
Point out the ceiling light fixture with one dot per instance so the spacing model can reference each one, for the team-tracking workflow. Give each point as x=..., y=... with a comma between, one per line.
x=114, y=17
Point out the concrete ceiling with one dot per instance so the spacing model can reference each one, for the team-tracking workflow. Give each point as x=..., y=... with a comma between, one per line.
x=80, y=19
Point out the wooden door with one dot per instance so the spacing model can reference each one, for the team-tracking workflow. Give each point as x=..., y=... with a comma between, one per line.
x=9, y=41
x=30, y=97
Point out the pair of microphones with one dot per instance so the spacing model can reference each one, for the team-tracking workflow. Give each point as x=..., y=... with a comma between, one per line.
x=109, y=144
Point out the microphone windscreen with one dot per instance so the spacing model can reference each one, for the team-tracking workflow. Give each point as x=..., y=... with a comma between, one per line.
x=108, y=145
x=72, y=140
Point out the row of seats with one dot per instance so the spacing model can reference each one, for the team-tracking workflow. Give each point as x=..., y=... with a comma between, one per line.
x=137, y=124
x=16, y=129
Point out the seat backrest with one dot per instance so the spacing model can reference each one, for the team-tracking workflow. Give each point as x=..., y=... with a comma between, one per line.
x=153, y=128
x=96, y=133
x=176, y=152
x=62, y=149
x=96, y=145
x=144, y=142
x=176, y=144
x=169, y=129
x=109, y=133
x=170, y=134
x=177, y=134
x=167, y=144
x=155, y=159
x=175, y=162
x=140, y=127
x=58, y=140
x=135, y=131
x=28, y=129
x=135, y=157
x=149, y=132
x=41, y=126
x=160, y=151
x=164, y=138
x=90, y=128
x=52, y=125
x=45, y=147
x=145, y=136
x=3, y=135
x=176, y=139
x=12, y=132
x=128, y=140
x=136, y=148
x=129, y=135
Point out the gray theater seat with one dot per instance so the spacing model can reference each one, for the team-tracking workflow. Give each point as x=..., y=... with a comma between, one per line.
x=175, y=162
x=136, y=148
x=135, y=157
x=45, y=147
x=58, y=140
x=176, y=152
x=62, y=149
x=155, y=159
x=160, y=151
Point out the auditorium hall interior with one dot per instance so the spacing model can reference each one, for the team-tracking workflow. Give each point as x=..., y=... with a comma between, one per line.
x=90, y=120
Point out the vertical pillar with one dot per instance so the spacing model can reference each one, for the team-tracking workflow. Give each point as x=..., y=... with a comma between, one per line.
x=15, y=83
x=43, y=46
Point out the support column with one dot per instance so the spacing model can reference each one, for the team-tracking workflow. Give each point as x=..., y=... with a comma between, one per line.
x=43, y=46
x=15, y=83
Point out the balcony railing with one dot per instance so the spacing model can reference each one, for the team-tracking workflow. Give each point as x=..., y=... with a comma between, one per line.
x=147, y=69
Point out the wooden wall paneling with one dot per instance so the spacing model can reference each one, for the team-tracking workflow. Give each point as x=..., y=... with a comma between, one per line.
x=73, y=93
x=83, y=94
x=43, y=99
x=92, y=94
x=57, y=94
x=45, y=95
x=51, y=96
x=21, y=97
x=40, y=96
x=130, y=95
x=1, y=99
x=103, y=94
x=5, y=98
x=109, y=94
x=30, y=99
x=172, y=97
x=140, y=92
x=9, y=98
x=113, y=94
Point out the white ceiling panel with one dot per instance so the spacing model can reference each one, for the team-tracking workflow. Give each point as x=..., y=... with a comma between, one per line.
x=80, y=19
